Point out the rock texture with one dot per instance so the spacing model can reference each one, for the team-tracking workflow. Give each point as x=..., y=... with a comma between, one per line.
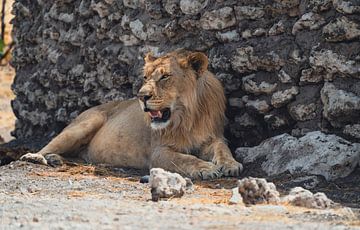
x=299, y=196
x=315, y=153
x=71, y=55
x=165, y=184
x=258, y=191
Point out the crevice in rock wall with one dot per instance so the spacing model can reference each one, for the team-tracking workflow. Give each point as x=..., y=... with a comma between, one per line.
x=287, y=66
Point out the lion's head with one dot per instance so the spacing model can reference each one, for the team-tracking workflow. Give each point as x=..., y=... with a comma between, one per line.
x=179, y=92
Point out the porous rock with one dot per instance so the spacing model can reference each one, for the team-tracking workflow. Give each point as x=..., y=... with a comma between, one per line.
x=310, y=21
x=337, y=103
x=165, y=184
x=281, y=98
x=352, y=130
x=192, y=6
x=218, y=19
x=341, y=29
x=303, y=112
x=299, y=196
x=315, y=153
x=258, y=191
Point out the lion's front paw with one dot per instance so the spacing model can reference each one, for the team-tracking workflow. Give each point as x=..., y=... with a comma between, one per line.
x=34, y=158
x=206, y=171
x=230, y=167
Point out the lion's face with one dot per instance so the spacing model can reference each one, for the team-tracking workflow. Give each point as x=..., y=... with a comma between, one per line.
x=168, y=86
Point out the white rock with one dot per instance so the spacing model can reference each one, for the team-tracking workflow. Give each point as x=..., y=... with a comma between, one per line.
x=218, y=19
x=250, y=86
x=310, y=21
x=337, y=103
x=258, y=191
x=341, y=29
x=303, y=112
x=299, y=196
x=315, y=153
x=192, y=7
x=248, y=12
x=281, y=98
x=346, y=7
x=236, y=198
x=165, y=184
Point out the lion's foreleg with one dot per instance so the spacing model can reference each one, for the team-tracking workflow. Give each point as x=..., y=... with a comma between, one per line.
x=187, y=165
x=219, y=153
x=78, y=133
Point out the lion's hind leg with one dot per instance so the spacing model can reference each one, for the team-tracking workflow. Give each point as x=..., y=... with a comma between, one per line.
x=74, y=136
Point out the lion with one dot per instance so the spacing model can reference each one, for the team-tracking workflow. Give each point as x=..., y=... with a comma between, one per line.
x=175, y=123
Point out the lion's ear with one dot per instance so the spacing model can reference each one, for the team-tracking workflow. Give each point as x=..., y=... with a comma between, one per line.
x=198, y=61
x=149, y=57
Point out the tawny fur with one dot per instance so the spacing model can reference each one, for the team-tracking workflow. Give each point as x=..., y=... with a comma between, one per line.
x=119, y=133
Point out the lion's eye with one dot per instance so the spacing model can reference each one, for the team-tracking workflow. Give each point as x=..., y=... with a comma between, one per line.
x=164, y=77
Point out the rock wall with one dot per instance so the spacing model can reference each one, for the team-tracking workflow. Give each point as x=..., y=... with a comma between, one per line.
x=287, y=66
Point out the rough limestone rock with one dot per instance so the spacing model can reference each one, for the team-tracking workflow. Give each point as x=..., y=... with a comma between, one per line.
x=315, y=153
x=340, y=107
x=281, y=98
x=341, y=29
x=299, y=196
x=310, y=21
x=251, y=86
x=303, y=112
x=353, y=131
x=334, y=63
x=192, y=6
x=75, y=54
x=236, y=198
x=218, y=19
x=258, y=191
x=165, y=184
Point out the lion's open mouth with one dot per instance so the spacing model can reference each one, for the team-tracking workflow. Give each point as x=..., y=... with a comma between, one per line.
x=160, y=115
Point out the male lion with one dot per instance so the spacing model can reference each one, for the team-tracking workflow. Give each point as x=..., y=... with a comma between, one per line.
x=177, y=126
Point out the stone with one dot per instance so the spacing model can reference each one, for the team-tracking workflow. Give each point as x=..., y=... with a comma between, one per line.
x=248, y=12
x=275, y=122
x=341, y=29
x=172, y=7
x=229, y=36
x=320, y=5
x=260, y=106
x=165, y=184
x=133, y=4
x=101, y=8
x=218, y=19
x=129, y=40
x=67, y=18
x=333, y=63
x=236, y=198
x=310, y=76
x=277, y=28
x=250, y=86
x=138, y=29
x=303, y=112
x=258, y=191
x=281, y=98
x=244, y=61
x=310, y=21
x=246, y=34
x=245, y=121
x=299, y=196
x=352, y=130
x=346, y=7
x=192, y=7
x=284, y=77
x=259, y=32
x=337, y=103
x=236, y=102
x=315, y=153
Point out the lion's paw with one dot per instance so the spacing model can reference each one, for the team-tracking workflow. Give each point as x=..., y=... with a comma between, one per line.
x=206, y=171
x=54, y=160
x=34, y=158
x=231, y=168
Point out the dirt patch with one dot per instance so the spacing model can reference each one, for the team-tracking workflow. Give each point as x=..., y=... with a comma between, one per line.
x=81, y=196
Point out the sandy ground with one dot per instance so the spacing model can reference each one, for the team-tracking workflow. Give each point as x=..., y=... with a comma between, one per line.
x=89, y=197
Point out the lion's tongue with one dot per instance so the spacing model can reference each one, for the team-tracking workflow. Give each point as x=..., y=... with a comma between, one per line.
x=155, y=114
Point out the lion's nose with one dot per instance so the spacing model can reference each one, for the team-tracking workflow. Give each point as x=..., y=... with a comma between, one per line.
x=144, y=96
